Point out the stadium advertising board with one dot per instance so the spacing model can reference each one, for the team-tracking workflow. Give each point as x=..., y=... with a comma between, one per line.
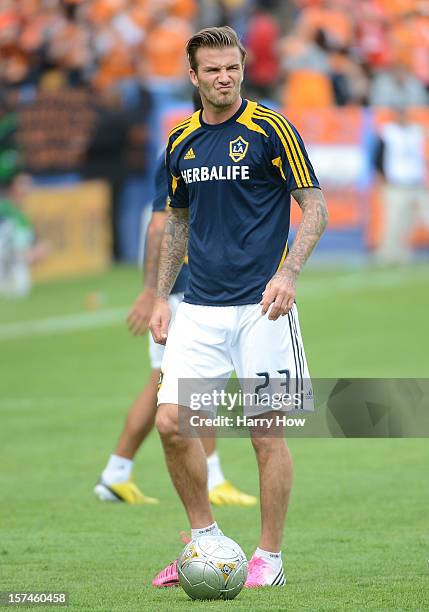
x=74, y=221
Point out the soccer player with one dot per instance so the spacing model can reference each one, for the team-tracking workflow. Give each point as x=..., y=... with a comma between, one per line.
x=115, y=483
x=232, y=168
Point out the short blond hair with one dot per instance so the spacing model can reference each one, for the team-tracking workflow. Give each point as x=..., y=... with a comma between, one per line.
x=213, y=38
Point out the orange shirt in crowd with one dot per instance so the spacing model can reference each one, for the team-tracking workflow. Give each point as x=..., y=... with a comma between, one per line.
x=410, y=44
x=335, y=22
x=164, y=49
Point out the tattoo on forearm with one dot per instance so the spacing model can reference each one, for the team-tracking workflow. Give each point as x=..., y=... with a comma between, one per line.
x=151, y=260
x=313, y=223
x=173, y=249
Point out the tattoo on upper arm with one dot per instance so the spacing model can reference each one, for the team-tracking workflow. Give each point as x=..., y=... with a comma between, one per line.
x=173, y=249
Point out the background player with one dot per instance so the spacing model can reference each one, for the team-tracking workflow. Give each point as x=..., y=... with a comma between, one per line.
x=232, y=168
x=115, y=483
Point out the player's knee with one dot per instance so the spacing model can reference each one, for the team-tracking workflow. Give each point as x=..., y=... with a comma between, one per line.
x=265, y=446
x=260, y=444
x=166, y=422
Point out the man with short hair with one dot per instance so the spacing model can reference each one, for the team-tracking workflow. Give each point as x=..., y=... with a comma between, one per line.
x=232, y=168
x=115, y=483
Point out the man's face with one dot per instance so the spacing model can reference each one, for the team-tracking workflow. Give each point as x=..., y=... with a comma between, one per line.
x=219, y=75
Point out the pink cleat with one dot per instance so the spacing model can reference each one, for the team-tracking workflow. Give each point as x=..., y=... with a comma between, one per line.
x=169, y=576
x=261, y=574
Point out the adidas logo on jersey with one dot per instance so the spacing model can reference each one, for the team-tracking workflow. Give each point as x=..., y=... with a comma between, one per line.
x=190, y=154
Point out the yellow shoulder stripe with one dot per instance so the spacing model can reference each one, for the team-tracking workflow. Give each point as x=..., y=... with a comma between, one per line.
x=285, y=136
x=246, y=118
x=287, y=147
x=179, y=126
x=194, y=124
x=277, y=162
x=288, y=131
x=288, y=126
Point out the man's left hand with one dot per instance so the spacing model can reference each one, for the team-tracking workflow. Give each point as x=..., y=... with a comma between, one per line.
x=279, y=294
x=139, y=315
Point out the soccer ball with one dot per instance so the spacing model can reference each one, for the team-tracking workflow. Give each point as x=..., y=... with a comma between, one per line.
x=212, y=567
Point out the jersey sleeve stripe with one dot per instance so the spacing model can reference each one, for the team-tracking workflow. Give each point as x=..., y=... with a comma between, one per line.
x=246, y=118
x=287, y=146
x=288, y=127
x=277, y=162
x=174, y=181
x=283, y=257
x=194, y=124
x=179, y=127
x=276, y=118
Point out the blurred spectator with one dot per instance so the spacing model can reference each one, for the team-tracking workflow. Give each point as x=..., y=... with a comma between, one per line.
x=163, y=53
x=329, y=16
x=397, y=86
x=107, y=42
x=400, y=160
x=372, y=34
x=117, y=147
x=410, y=40
x=305, y=53
x=9, y=156
x=348, y=78
x=19, y=248
x=262, y=45
x=321, y=74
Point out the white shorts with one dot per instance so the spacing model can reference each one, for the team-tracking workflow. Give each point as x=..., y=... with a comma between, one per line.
x=209, y=342
x=156, y=351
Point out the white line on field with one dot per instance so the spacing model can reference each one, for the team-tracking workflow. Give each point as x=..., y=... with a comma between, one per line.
x=63, y=324
x=23, y=402
x=311, y=288
x=360, y=281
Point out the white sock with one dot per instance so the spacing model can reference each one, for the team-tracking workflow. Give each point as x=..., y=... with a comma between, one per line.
x=214, y=471
x=274, y=559
x=211, y=530
x=118, y=469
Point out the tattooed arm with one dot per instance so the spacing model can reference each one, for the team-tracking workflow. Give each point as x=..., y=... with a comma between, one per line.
x=173, y=250
x=282, y=287
x=154, y=236
x=139, y=315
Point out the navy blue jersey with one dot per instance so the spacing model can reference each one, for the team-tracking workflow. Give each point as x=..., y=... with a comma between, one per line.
x=236, y=178
x=160, y=204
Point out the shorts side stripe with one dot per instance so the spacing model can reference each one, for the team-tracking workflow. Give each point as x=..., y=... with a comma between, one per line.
x=300, y=357
x=292, y=337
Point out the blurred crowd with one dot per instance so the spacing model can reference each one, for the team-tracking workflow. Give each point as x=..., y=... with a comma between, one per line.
x=83, y=83
x=372, y=51
x=348, y=51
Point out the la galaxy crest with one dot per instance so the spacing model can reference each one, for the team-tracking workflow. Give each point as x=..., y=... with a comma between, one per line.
x=238, y=149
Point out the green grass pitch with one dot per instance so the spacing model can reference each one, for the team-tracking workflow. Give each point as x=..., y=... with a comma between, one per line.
x=357, y=531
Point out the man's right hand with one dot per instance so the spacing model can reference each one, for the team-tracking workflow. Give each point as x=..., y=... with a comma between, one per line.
x=160, y=320
x=139, y=315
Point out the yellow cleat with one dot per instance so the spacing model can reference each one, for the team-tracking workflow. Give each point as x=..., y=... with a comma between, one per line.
x=127, y=492
x=226, y=494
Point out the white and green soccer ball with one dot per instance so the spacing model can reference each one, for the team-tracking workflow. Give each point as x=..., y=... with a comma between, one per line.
x=212, y=567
